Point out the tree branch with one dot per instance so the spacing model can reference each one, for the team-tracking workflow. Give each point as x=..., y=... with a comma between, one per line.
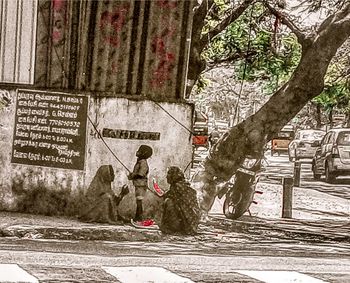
x=234, y=15
x=302, y=38
x=339, y=22
x=200, y=14
x=344, y=15
x=233, y=57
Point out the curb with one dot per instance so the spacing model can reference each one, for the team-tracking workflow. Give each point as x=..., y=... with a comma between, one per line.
x=103, y=233
x=287, y=229
x=291, y=229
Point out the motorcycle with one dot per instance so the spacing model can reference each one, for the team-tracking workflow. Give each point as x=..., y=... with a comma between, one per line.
x=240, y=190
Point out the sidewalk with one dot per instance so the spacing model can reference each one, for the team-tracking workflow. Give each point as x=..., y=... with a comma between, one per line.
x=316, y=217
x=44, y=227
x=50, y=227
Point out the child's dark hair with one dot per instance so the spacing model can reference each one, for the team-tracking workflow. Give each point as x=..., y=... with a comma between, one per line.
x=145, y=151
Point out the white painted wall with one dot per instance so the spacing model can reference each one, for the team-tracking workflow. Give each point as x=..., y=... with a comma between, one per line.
x=173, y=148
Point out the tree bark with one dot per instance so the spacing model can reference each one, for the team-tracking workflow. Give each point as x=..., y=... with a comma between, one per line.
x=347, y=120
x=318, y=116
x=250, y=136
x=196, y=64
x=330, y=117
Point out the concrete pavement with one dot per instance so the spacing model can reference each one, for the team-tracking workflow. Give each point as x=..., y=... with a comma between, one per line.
x=317, y=216
x=264, y=221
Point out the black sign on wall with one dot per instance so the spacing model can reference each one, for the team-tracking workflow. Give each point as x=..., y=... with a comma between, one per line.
x=133, y=135
x=50, y=129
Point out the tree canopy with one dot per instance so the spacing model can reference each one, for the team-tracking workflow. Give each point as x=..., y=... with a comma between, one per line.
x=252, y=33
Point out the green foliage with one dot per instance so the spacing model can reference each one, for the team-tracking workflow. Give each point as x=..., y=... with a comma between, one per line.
x=336, y=93
x=232, y=40
x=259, y=48
x=253, y=48
x=201, y=84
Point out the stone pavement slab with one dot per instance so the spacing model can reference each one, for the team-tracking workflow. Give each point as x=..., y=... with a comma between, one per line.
x=49, y=227
x=214, y=229
x=316, y=217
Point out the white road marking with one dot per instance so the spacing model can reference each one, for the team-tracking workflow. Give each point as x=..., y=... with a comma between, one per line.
x=145, y=274
x=280, y=276
x=13, y=273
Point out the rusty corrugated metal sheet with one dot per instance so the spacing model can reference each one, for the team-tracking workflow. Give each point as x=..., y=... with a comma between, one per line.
x=126, y=47
x=53, y=45
x=17, y=41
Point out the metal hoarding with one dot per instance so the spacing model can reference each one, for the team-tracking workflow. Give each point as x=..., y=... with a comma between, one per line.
x=134, y=48
x=17, y=40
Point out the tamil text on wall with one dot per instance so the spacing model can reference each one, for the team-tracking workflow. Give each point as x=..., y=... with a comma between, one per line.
x=50, y=129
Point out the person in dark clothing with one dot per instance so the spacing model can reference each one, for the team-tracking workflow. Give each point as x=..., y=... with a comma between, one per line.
x=101, y=203
x=181, y=212
x=139, y=177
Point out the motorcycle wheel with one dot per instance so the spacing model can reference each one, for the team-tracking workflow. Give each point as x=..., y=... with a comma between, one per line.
x=230, y=208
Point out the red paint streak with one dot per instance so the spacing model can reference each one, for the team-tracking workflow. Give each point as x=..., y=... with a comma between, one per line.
x=162, y=74
x=170, y=57
x=111, y=23
x=158, y=45
x=59, y=21
x=56, y=35
x=167, y=4
x=58, y=4
x=166, y=64
x=114, y=66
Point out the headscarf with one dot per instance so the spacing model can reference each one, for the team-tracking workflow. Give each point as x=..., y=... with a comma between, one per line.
x=175, y=175
x=184, y=197
x=144, y=152
x=101, y=183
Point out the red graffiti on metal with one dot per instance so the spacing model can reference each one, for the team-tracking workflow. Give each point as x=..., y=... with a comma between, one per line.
x=56, y=35
x=59, y=21
x=168, y=4
x=111, y=23
x=58, y=5
x=114, y=66
x=166, y=58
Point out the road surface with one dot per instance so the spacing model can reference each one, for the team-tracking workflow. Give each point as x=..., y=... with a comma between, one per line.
x=229, y=257
x=76, y=261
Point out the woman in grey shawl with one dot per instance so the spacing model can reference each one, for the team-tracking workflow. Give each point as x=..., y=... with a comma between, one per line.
x=101, y=203
x=181, y=212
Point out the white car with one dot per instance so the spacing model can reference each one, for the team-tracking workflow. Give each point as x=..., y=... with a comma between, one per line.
x=301, y=146
x=332, y=157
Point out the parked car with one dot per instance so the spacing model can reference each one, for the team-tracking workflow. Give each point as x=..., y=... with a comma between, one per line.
x=280, y=142
x=332, y=157
x=301, y=147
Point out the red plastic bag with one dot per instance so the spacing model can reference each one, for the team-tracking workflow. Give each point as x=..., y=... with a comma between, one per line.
x=147, y=222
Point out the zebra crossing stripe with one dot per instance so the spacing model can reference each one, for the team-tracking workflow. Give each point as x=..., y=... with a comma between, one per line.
x=143, y=274
x=13, y=273
x=280, y=276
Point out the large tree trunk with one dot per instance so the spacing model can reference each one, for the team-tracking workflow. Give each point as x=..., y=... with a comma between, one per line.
x=197, y=64
x=250, y=136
